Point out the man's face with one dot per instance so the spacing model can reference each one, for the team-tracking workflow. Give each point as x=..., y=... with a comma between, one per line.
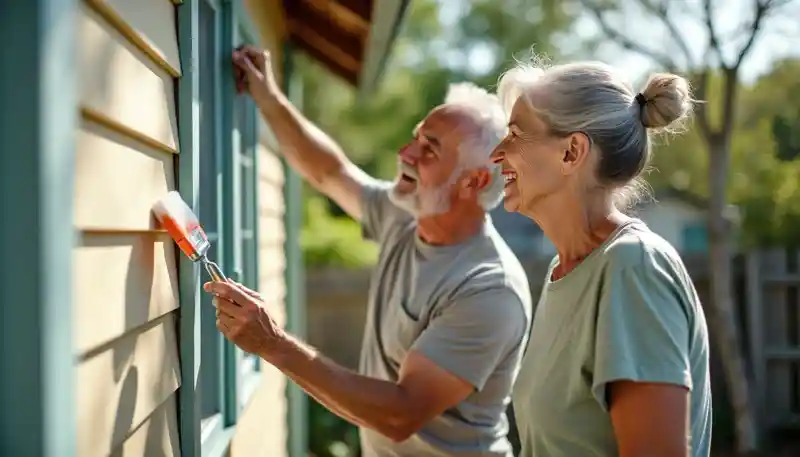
x=428, y=164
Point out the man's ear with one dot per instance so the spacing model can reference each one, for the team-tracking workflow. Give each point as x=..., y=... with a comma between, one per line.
x=472, y=182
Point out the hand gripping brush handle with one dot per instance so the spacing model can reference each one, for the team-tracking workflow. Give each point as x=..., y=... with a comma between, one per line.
x=213, y=270
x=178, y=219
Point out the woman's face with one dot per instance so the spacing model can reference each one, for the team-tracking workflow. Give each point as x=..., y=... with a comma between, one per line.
x=532, y=160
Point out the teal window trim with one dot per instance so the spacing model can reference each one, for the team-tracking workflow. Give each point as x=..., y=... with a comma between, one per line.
x=37, y=164
x=295, y=281
x=213, y=434
x=188, y=185
x=231, y=257
x=247, y=365
x=237, y=212
x=232, y=219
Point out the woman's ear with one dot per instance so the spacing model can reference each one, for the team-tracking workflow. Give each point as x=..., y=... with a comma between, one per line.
x=576, y=152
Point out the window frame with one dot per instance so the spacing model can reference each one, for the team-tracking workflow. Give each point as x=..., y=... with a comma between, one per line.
x=188, y=185
x=211, y=427
x=243, y=369
x=233, y=388
x=694, y=237
x=238, y=384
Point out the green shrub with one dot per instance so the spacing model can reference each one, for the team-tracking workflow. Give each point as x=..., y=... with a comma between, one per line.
x=329, y=435
x=333, y=241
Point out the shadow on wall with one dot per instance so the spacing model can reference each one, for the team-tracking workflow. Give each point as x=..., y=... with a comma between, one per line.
x=123, y=356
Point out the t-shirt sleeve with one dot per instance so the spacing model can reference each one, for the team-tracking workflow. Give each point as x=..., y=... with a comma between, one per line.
x=474, y=334
x=377, y=211
x=643, y=330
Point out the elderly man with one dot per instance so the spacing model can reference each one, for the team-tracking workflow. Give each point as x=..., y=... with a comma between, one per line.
x=449, y=304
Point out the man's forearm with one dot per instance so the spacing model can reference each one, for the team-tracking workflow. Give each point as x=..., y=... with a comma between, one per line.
x=309, y=150
x=372, y=403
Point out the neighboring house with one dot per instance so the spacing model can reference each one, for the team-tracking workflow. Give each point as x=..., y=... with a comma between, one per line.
x=108, y=345
x=677, y=216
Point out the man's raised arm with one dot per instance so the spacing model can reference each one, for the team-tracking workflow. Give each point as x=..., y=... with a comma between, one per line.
x=308, y=150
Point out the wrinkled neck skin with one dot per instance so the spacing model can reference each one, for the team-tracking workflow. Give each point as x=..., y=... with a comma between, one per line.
x=453, y=227
x=576, y=225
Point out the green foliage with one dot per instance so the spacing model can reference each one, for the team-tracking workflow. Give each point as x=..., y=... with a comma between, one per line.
x=333, y=241
x=786, y=132
x=330, y=435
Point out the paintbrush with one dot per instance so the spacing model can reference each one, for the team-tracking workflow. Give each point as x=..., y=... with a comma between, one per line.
x=177, y=218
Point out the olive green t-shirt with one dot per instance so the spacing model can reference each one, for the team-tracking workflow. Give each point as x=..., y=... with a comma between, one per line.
x=629, y=311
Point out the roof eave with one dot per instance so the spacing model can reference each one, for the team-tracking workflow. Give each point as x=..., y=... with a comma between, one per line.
x=387, y=19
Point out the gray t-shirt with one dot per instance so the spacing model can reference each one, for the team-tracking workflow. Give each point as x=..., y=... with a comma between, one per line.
x=629, y=311
x=466, y=307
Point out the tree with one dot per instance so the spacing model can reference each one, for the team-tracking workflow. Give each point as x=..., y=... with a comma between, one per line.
x=764, y=169
x=715, y=122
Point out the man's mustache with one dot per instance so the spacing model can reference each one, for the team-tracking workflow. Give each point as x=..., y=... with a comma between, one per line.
x=408, y=170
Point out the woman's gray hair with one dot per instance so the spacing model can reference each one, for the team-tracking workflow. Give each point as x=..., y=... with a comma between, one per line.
x=477, y=147
x=590, y=97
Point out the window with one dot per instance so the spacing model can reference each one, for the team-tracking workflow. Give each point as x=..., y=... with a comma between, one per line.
x=248, y=365
x=694, y=238
x=227, y=141
x=209, y=384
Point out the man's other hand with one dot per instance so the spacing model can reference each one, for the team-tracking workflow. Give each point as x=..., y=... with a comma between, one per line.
x=253, y=72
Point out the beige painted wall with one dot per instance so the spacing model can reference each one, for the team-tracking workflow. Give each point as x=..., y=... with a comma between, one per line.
x=267, y=15
x=125, y=277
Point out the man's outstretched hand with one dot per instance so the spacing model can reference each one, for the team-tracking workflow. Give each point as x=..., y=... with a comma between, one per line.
x=241, y=317
x=252, y=69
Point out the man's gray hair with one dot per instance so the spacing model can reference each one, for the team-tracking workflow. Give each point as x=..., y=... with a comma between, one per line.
x=476, y=148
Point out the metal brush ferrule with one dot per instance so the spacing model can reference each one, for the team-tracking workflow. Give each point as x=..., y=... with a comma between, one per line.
x=213, y=270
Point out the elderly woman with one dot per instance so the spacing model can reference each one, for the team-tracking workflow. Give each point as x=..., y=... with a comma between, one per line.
x=617, y=363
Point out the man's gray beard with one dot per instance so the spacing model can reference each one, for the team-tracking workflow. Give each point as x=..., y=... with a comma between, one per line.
x=428, y=203
x=436, y=201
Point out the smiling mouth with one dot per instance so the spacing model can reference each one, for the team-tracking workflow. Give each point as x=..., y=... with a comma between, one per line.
x=406, y=178
x=509, y=177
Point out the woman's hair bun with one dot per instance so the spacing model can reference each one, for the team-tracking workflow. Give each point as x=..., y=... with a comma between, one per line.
x=667, y=101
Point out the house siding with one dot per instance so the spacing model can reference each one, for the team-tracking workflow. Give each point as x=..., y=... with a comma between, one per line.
x=125, y=279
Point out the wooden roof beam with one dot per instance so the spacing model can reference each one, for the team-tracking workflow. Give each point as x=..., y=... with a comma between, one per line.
x=313, y=38
x=362, y=8
x=326, y=29
x=328, y=62
x=348, y=20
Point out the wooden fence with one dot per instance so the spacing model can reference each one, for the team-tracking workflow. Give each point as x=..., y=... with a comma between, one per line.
x=772, y=330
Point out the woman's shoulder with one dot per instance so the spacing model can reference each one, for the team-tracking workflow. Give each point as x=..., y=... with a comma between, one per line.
x=636, y=246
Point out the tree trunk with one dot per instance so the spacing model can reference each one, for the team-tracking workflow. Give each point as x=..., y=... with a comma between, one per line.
x=723, y=315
